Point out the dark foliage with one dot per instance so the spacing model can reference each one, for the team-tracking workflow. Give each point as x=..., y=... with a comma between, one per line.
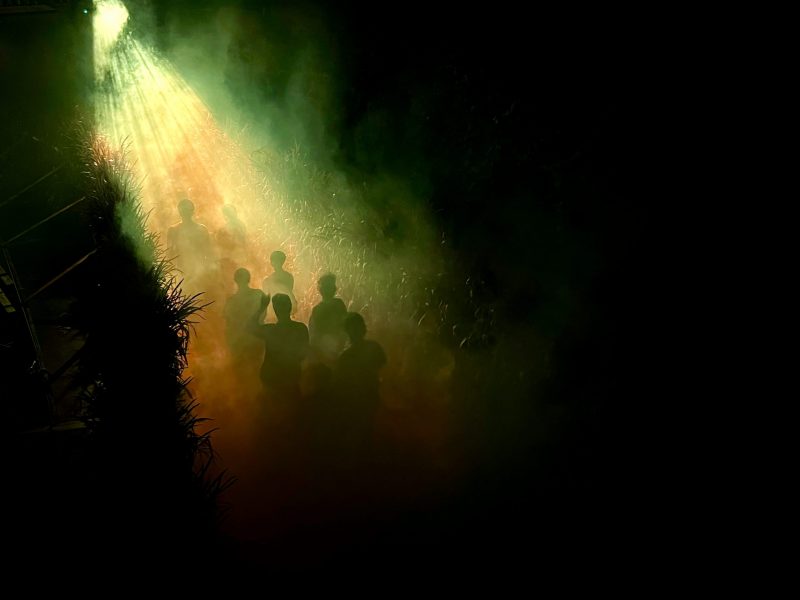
x=150, y=463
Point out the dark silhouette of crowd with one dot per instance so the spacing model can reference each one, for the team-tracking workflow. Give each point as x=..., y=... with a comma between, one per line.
x=326, y=367
x=332, y=350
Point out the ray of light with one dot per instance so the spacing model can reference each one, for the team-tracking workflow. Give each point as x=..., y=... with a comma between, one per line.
x=178, y=150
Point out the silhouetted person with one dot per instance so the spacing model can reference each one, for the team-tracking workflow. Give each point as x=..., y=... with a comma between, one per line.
x=326, y=326
x=190, y=243
x=280, y=282
x=357, y=378
x=285, y=346
x=238, y=311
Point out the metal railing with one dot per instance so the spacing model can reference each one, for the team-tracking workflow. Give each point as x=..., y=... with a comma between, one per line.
x=16, y=301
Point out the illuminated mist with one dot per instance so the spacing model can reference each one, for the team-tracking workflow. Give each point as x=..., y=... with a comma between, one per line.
x=178, y=149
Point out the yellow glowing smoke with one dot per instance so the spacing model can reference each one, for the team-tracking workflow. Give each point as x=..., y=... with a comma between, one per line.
x=177, y=150
x=175, y=145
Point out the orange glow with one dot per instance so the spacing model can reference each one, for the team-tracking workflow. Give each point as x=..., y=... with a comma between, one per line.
x=177, y=150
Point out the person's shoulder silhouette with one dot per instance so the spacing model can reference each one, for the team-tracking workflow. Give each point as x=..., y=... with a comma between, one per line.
x=328, y=315
x=189, y=238
x=189, y=245
x=359, y=365
x=326, y=324
x=239, y=309
x=241, y=305
x=366, y=356
x=186, y=210
x=285, y=348
x=280, y=281
x=357, y=386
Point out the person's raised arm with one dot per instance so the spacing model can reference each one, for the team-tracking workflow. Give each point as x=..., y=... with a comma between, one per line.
x=254, y=322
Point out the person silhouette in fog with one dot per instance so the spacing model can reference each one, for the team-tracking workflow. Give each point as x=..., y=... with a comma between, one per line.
x=326, y=325
x=239, y=308
x=190, y=243
x=358, y=367
x=285, y=346
x=280, y=282
x=357, y=382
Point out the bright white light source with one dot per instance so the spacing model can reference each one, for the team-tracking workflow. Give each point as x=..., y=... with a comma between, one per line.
x=110, y=17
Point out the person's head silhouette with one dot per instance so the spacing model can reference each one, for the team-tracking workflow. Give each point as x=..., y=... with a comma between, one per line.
x=277, y=259
x=242, y=277
x=327, y=286
x=355, y=327
x=282, y=305
x=186, y=209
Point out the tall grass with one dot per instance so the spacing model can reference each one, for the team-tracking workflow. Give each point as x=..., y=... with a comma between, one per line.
x=151, y=466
